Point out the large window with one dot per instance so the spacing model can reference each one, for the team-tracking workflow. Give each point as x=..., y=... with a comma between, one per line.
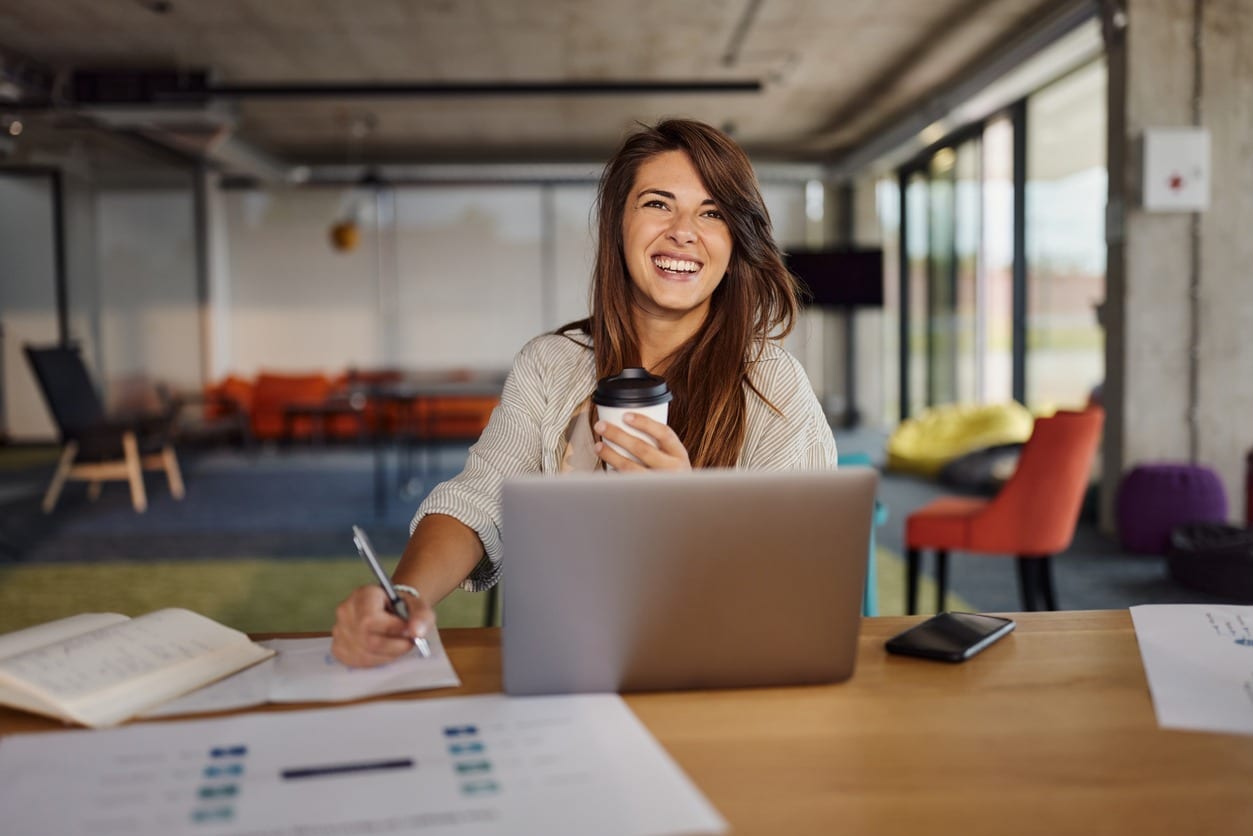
x=959, y=222
x=915, y=351
x=1066, y=193
x=996, y=309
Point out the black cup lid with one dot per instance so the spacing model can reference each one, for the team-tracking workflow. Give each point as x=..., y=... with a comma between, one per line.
x=633, y=387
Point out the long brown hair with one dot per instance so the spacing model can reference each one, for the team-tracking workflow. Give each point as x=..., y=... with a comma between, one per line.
x=755, y=302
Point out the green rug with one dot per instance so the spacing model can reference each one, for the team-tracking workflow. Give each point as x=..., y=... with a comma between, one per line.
x=261, y=595
x=21, y=457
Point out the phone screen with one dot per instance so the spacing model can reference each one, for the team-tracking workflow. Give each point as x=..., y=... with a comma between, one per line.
x=952, y=636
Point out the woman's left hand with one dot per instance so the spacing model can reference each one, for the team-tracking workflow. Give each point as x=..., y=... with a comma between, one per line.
x=669, y=454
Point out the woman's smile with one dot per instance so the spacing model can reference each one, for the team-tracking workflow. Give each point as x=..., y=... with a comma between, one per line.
x=676, y=243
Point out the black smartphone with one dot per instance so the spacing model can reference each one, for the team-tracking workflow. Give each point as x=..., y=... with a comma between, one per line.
x=950, y=636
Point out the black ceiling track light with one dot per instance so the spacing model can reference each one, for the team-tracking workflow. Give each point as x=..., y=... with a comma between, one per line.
x=194, y=87
x=485, y=88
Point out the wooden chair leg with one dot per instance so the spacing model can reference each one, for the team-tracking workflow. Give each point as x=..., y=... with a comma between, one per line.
x=912, y=558
x=93, y=490
x=1026, y=583
x=134, y=472
x=1046, y=582
x=941, y=578
x=172, y=473
x=64, y=465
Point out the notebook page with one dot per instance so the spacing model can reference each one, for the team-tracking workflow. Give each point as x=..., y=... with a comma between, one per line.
x=19, y=641
x=98, y=660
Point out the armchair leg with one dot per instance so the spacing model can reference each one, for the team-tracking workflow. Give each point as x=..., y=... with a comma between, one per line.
x=1027, y=582
x=58, y=478
x=941, y=579
x=912, y=558
x=134, y=472
x=1046, y=582
x=172, y=473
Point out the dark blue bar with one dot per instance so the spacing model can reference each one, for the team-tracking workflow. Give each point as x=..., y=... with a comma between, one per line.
x=228, y=751
x=345, y=768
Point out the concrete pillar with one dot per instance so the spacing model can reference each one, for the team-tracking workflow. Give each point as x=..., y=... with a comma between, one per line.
x=1162, y=405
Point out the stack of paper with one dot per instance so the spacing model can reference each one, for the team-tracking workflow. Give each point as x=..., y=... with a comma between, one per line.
x=1199, y=662
x=482, y=765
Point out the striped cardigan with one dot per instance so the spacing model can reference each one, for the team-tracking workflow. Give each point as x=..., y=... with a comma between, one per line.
x=551, y=376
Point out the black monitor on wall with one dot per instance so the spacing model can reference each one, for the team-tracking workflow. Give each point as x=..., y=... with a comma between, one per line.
x=840, y=278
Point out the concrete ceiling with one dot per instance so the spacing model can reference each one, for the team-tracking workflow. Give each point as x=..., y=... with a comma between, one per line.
x=832, y=71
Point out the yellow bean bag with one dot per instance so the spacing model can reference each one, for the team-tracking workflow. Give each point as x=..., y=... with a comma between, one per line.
x=926, y=443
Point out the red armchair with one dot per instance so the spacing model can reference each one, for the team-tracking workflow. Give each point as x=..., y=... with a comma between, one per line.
x=1033, y=516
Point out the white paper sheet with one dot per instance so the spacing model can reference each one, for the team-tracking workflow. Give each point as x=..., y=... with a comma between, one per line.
x=305, y=671
x=1199, y=663
x=469, y=765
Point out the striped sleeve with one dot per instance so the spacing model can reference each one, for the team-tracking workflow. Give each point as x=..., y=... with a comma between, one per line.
x=790, y=432
x=508, y=447
x=795, y=437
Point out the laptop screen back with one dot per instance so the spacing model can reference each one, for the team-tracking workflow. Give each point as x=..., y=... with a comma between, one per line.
x=709, y=579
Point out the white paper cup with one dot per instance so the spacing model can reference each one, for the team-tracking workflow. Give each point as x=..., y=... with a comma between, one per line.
x=632, y=390
x=614, y=414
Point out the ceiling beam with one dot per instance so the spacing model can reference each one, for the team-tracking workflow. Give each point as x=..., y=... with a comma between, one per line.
x=1058, y=20
x=372, y=90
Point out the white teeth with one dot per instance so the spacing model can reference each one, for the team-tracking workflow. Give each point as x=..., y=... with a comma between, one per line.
x=675, y=265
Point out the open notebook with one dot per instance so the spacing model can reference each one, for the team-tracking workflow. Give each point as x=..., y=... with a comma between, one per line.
x=100, y=669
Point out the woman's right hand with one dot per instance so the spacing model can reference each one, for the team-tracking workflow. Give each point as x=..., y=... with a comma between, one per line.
x=367, y=633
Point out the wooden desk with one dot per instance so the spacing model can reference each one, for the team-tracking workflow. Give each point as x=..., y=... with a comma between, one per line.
x=1050, y=730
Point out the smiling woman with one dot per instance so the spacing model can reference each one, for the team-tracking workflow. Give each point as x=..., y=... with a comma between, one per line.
x=689, y=285
x=676, y=245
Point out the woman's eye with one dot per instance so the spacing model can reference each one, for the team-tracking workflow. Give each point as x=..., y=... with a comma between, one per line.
x=715, y=214
x=656, y=204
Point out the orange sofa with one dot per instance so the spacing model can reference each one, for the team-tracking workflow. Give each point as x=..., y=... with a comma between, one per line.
x=265, y=400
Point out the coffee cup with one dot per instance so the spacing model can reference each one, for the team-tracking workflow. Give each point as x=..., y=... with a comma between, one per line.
x=634, y=390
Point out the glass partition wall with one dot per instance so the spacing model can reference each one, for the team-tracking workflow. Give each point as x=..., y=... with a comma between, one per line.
x=998, y=234
x=1066, y=189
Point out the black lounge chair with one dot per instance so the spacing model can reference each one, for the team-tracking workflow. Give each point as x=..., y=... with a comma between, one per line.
x=97, y=447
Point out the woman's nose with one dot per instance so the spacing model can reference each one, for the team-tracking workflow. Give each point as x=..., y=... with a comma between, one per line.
x=682, y=231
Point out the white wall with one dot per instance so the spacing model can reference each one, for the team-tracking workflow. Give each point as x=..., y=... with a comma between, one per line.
x=146, y=273
x=295, y=304
x=82, y=276
x=445, y=277
x=1149, y=400
x=574, y=246
x=468, y=274
x=27, y=299
x=808, y=340
x=471, y=287
x=130, y=290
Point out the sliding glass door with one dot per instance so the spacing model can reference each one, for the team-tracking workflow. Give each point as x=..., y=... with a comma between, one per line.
x=1066, y=189
x=975, y=211
x=940, y=297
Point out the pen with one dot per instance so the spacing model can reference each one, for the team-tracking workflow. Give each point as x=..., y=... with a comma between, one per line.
x=397, y=603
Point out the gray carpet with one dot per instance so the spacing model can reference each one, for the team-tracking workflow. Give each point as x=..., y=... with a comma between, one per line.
x=301, y=502
x=277, y=503
x=1094, y=573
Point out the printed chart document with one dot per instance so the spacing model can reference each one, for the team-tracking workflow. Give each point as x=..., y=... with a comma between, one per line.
x=100, y=669
x=305, y=671
x=1199, y=662
x=466, y=765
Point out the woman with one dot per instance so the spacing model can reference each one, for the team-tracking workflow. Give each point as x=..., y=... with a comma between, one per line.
x=688, y=284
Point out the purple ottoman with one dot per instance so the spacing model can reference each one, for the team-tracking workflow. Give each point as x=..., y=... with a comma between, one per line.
x=1154, y=498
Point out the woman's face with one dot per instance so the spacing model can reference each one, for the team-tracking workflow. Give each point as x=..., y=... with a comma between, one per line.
x=676, y=244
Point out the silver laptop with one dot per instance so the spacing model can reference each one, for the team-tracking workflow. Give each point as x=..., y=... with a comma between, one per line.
x=713, y=579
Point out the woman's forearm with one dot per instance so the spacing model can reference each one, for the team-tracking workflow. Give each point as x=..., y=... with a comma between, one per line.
x=441, y=553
